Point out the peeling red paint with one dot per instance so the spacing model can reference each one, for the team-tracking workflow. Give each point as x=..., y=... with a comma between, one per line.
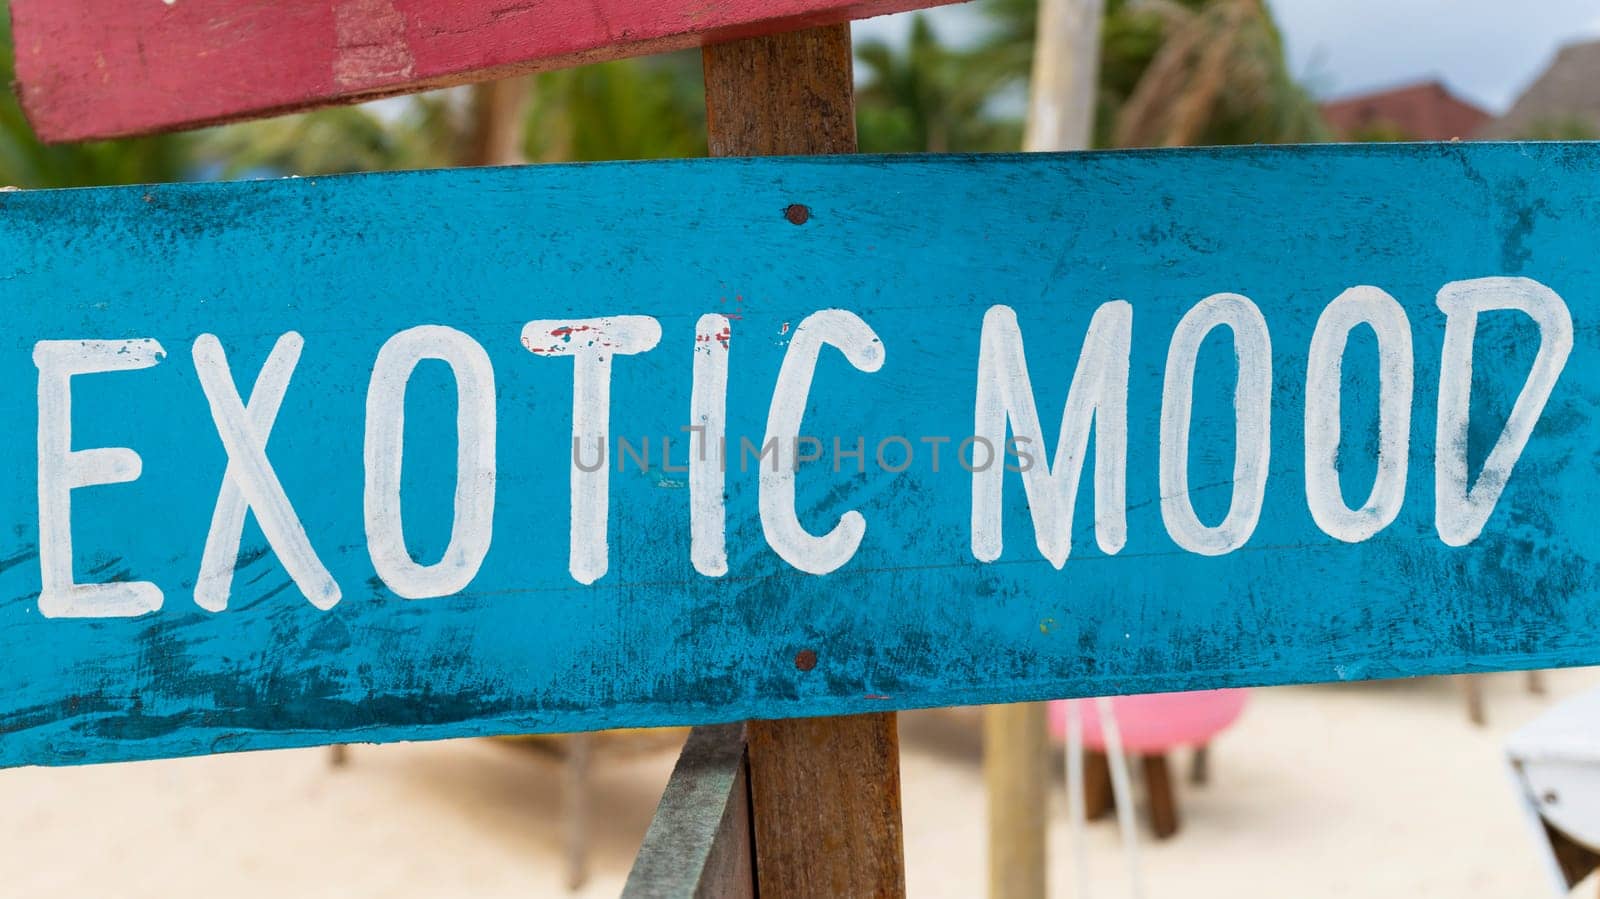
x=722, y=337
x=370, y=36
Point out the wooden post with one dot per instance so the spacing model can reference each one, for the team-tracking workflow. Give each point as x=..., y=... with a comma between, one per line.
x=1473, y=688
x=825, y=792
x=826, y=797
x=575, y=807
x=1016, y=742
x=494, y=133
x=1016, y=769
x=1163, y=800
x=1096, y=785
x=783, y=95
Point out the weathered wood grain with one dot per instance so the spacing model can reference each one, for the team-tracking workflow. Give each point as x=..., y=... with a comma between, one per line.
x=921, y=249
x=699, y=842
x=807, y=848
x=1015, y=751
x=1161, y=794
x=787, y=94
x=779, y=95
x=109, y=68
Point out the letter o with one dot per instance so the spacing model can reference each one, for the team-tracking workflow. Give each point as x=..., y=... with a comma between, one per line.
x=1324, y=378
x=472, y=527
x=1252, y=404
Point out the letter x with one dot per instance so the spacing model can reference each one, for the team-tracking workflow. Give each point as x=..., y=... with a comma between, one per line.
x=249, y=481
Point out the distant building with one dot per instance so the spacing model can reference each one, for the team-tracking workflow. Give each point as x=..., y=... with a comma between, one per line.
x=1563, y=102
x=1423, y=111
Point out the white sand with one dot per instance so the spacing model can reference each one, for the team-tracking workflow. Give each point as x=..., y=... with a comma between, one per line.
x=1330, y=791
x=1354, y=790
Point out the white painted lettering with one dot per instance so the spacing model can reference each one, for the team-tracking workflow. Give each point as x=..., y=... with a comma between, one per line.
x=1098, y=394
x=1324, y=376
x=473, y=525
x=249, y=480
x=779, y=521
x=1252, y=402
x=591, y=342
x=63, y=469
x=1460, y=513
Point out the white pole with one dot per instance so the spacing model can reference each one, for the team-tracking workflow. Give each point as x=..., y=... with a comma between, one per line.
x=1066, y=76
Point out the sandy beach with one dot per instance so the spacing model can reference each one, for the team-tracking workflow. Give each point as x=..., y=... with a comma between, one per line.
x=1380, y=789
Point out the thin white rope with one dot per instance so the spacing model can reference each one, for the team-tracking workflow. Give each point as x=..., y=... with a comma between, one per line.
x=1121, y=793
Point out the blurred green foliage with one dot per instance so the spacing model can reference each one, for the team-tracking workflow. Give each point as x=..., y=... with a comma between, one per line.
x=1378, y=133
x=1172, y=72
x=649, y=108
x=927, y=97
x=406, y=133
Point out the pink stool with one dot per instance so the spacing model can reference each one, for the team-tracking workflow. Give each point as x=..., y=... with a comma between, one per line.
x=1150, y=726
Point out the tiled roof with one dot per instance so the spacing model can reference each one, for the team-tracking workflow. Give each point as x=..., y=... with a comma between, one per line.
x=1424, y=111
x=1567, y=92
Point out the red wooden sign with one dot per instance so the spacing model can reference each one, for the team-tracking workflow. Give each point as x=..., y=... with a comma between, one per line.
x=113, y=68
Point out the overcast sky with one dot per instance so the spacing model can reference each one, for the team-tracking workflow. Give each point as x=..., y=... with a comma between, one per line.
x=1485, y=50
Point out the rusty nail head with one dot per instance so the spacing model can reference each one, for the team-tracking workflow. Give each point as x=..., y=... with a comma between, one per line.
x=797, y=214
x=805, y=659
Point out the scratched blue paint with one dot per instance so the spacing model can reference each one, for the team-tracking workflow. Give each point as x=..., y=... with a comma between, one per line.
x=920, y=248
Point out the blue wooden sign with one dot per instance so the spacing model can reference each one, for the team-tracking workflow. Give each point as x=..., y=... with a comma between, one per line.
x=538, y=449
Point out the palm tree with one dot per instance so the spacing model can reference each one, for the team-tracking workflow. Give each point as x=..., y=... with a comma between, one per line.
x=648, y=108
x=1129, y=39
x=926, y=97
x=1173, y=72
x=422, y=131
x=1220, y=77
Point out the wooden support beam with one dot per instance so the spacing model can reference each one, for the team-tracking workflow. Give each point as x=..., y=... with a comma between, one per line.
x=575, y=807
x=698, y=844
x=826, y=797
x=782, y=95
x=825, y=792
x=1016, y=769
